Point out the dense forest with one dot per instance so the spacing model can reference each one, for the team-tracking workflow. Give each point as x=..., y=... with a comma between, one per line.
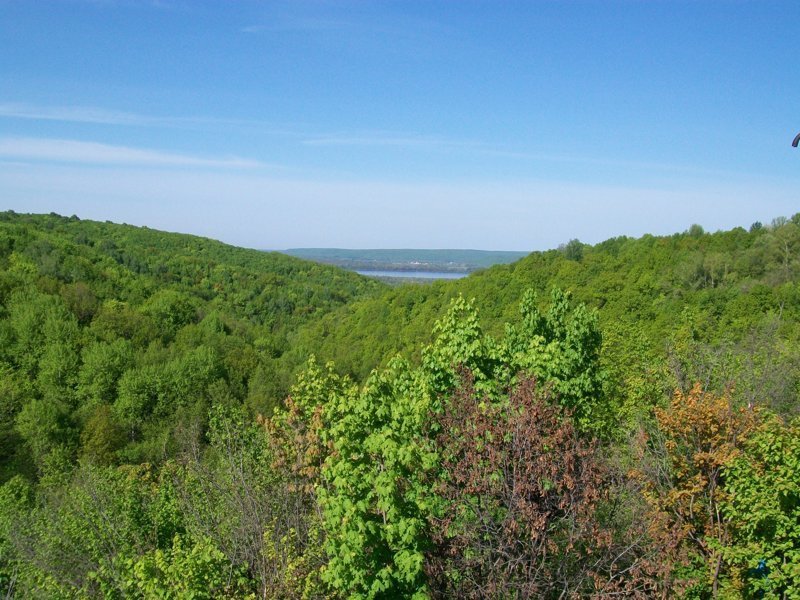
x=180, y=418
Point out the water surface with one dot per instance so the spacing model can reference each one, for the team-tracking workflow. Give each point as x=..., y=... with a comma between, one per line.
x=412, y=274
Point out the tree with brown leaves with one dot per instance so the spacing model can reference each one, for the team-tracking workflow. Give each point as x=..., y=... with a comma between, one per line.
x=519, y=494
x=697, y=436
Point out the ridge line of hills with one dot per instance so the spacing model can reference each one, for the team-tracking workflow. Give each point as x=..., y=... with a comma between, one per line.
x=408, y=259
x=147, y=379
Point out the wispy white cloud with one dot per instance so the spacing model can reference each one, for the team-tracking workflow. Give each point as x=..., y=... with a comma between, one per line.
x=74, y=151
x=75, y=114
x=390, y=139
x=103, y=116
x=618, y=163
x=305, y=135
x=409, y=34
x=399, y=140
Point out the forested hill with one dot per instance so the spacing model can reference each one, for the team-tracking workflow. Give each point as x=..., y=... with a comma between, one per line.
x=715, y=298
x=81, y=298
x=98, y=315
x=163, y=433
x=127, y=262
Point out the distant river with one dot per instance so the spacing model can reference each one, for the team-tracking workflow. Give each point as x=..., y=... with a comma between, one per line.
x=413, y=274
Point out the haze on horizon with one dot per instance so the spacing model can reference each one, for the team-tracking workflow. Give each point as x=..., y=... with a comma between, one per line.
x=513, y=126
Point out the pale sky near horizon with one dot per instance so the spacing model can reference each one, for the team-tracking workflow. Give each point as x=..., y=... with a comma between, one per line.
x=427, y=124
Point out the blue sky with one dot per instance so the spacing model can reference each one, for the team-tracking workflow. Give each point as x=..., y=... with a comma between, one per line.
x=494, y=125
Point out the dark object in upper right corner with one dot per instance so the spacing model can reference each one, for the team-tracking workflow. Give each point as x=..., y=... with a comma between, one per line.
x=796, y=140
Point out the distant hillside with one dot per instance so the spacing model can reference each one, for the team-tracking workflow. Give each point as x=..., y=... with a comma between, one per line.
x=454, y=261
x=143, y=330
x=721, y=300
x=129, y=263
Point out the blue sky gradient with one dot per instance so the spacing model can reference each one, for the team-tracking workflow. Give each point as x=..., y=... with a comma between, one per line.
x=494, y=125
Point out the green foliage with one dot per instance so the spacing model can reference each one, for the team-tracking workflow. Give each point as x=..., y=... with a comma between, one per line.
x=696, y=230
x=573, y=250
x=170, y=311
x=28, y=312
x=562, y=347
x=375, y=501
x=46, y=428
x=241, y=498
x=116, y=320
x=298, y=561
x=195, y=570
x=15, y=391
x=763, y=507
x=16, y=501
x=154, y=325
x=133, y=365
x=139, y=392
x=461, y=344
x=101, y=437
x=735, y=284
x=102, y=364
x=378, y=497
x=80, y=300
x=83, y=528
